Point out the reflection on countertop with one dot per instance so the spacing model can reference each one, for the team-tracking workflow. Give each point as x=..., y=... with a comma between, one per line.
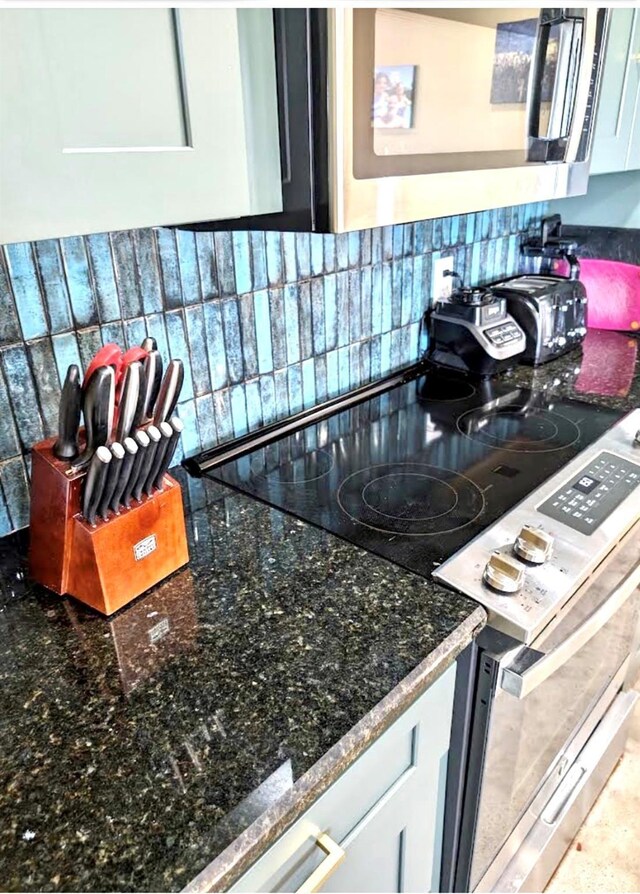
x=197, y=723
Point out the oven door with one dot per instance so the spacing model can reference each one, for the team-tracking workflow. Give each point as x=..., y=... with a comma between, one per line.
x=538, y=705
x=421, y=100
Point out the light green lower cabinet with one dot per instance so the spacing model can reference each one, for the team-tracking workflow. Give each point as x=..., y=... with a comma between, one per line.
x=385, y=812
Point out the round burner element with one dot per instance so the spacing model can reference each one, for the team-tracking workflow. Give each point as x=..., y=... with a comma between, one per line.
x=410, y=499
x=519, y=429
x=445, y=389
x=308, y=467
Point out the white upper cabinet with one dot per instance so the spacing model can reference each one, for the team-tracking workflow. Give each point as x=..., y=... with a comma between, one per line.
x=122, y=118
x=616, y=144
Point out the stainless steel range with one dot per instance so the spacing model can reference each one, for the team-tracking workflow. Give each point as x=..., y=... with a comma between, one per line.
x=528, y=503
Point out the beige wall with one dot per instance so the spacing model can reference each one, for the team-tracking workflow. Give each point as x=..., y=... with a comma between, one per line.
x=452, y=111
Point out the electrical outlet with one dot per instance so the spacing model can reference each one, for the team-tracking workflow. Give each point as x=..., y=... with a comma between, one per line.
x=442, y=286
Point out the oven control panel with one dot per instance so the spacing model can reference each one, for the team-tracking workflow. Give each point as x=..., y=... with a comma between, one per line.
x=526, y=566
x=593, y=494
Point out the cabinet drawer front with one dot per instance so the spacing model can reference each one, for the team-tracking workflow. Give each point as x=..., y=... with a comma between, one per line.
x=411, y=752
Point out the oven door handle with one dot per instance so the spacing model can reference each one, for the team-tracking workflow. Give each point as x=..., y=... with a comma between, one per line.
x=531, y=668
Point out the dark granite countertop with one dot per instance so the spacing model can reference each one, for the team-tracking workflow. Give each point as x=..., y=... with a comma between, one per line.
x=187, y=732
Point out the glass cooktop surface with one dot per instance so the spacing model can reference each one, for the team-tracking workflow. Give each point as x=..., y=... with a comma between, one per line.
x=417, y=472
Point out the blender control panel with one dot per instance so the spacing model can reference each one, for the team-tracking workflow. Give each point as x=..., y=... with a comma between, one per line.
x=593, y=494
x=504, y=334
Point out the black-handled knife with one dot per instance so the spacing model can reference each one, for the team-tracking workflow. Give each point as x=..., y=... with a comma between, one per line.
x=94, y=483
x=149, y=344
x=131, y=401
x=98, y=407
x=153, y=381
x=169, y=392
x=165, y=434
x=145, y=466
x=66, y=447
x=130, y=450
x=117, y=456
x=177, y=426
x=142, y=440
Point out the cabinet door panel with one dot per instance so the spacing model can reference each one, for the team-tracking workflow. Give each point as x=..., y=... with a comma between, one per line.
x=119, y=118
x=619, y=95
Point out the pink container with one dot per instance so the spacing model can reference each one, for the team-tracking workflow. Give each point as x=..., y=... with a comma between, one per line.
x=613, y=293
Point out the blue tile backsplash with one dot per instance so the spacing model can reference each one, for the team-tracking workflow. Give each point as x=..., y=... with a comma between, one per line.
x=267, y=323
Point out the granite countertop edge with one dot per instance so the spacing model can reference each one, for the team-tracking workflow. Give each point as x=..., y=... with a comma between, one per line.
x=225, y=869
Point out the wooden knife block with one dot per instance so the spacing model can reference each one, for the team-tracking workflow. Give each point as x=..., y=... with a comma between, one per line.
x=113, y=562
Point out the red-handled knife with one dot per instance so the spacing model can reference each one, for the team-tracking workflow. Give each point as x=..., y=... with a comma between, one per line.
x=109, y=355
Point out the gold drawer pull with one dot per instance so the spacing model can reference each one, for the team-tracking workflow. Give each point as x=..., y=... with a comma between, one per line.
x=335, y=856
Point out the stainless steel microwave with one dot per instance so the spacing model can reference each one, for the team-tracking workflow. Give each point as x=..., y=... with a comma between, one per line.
x=389, y=115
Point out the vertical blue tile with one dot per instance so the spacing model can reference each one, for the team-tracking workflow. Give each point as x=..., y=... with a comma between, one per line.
x=112, y=333
x=407, y=291
x=419, y=232
x=376, y=299
x=329, y=252
x=342, y=251
x=289, y=257
x=254, y=405
x=292, y=324
x=470, y=229
x=89, y=343
x=488, y=274
x=9, y=326
x=303, y=254
x=342, y=281
x=475, y=263
x=206, y=421
x=190, y=438
x=148, y=270
x=333, y=383
x=317, y=316
x=365, y=247
x=317, y=253
x=258, y=260
x=365, y=301
x=54, y=284
x=407, y=240
x=274, y=258
x=232, y=340
x=419, y=298
x=83, y=303
x=222, y=407
x=215, y=344
x=238, y=410
x=354, y=365
x=263, y=331
x=242, y=262
x=396, y=349
x=365, y=361
x=385, y=353
x=344, y=378
x=26, y=290
x=376, y=360
x=13, y=482
x=398, y=241
x=65, y=351
x=353, y=240
x=455, y=230
x=207, y=265
x=387, y=243
x=42, y=362
x=22, y=394
x=330, y=312
x=224, y=263
x=446, y=231
x=268, y=399
x=9, y=444
x=320, y=365
x=387, y=297
x=278, y=328
x=178, y=348
x=294, y=387
x=308, y=383
x=135, y=331
x=305, y=315
x=197, y=350
x=376, y=245
x=188, y=262
x=248, y=330
x=281, y=385
x=6, y=525
x=126, y=277
x=436, y=238
x=355, y=318
x=156, y=328
x=396, y=294
x=104, y=278
x=512, y=256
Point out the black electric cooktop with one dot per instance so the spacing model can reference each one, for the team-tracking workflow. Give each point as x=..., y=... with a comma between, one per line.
x=415, y=473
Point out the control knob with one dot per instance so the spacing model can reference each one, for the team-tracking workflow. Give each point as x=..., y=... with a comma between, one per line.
x=503, y=574
x=636, y=440
x=533, y=544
